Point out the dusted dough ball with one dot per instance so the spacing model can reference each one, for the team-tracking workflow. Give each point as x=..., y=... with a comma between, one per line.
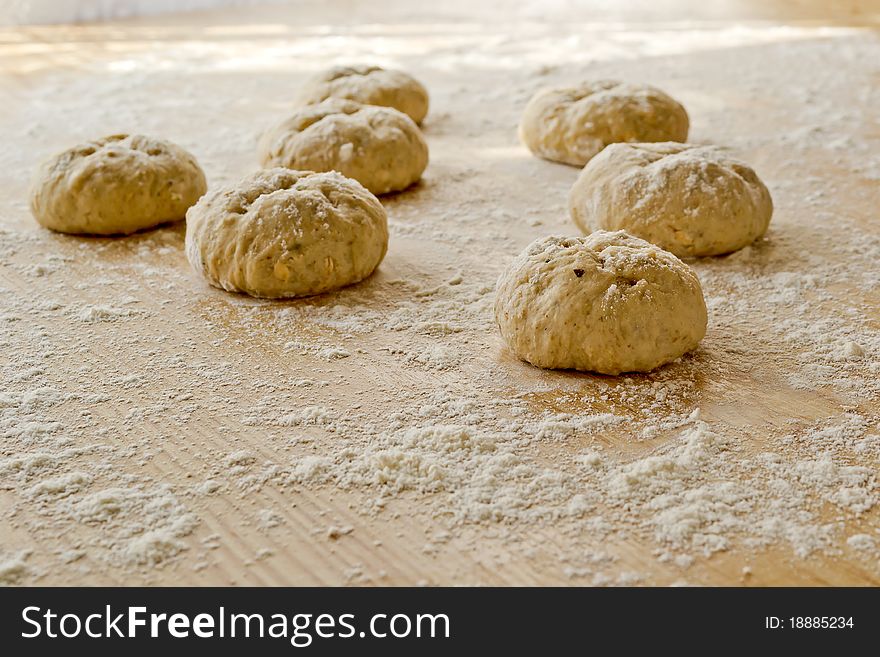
x=379, y=147
x=371, y=85
x=572, y=124
x=116, y=185
x=690, y=200
x=607, y=303
x=282, y=233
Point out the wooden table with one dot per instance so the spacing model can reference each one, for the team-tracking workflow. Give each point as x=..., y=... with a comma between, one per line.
x=126, y=376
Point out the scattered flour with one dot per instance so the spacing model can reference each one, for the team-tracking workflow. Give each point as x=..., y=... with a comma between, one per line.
x=141, y=412
x=13, y=570
x=103, y=313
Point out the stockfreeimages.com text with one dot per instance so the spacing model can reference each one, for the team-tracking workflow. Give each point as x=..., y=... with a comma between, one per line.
x=299, y=629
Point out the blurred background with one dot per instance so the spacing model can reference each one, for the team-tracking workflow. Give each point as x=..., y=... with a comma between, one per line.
x=33, y=12
x=25, y=12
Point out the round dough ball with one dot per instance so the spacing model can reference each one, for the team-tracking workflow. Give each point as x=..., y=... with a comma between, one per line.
x=690, y=200
x=116, y=185
x=282, y=233
x=379, y=147
x=606, y=303
x=371, y=85
x=572, y=124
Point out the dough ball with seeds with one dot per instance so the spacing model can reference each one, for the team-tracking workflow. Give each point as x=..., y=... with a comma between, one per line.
x=371, y=85
x=116, y=185
x=282, y=233
x=606, y=303
x=379, y=147
x=690, y=200
x=573, y=124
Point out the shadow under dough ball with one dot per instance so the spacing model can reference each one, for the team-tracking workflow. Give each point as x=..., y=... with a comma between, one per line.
x=379, y=147
x=607, y=303
x=116, y=185
x=573, y=124
x=371, y=85
x=690, y=200
x=281, y=233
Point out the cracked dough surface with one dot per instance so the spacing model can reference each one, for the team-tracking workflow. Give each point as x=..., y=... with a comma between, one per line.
x=607, y=303
x=282, y=233
x=690, y=200
x=371, y=85
x=115, y=185
x=573, y=124
x=379, y=147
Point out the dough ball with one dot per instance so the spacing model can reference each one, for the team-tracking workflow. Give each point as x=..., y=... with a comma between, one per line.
x=116, y=185
x=371, y=85
x=379, y=147
x=607, y=303
x=282, y=233
x=572, y=124
x=690, y=200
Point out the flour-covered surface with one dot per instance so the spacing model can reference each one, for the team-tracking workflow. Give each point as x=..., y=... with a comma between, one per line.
x=156, y=430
